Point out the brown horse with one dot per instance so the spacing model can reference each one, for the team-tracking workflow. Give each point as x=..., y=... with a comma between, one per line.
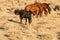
x=43, y=6
x=46, y=6
x=35, y=9
x=40, y=8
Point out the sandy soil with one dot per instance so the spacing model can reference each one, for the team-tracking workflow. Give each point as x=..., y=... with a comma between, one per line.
x=41, y=28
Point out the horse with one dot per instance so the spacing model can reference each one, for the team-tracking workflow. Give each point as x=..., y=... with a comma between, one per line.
x=47, y=6
x=43, y=6
x=56, y=7
x=24, y=14
x=38, y=8
x=35, y=9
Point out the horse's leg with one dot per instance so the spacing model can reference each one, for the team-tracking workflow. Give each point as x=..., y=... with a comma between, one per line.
x=49, y=9
x=21, y=20
x=25, y=21
x=37, y=13
x=40, y=13
x=29, y=20
x=45, y=12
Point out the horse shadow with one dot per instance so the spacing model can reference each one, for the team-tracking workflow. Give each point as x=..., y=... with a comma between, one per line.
x=23, y=25
x=14, y=21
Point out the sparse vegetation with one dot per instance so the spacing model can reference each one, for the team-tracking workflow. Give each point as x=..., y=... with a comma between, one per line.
x=41, y=28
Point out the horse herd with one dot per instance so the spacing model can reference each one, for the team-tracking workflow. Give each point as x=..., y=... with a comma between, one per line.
x=36, y=9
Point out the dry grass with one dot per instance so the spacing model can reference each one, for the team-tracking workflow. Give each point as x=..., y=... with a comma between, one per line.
x=42, y=28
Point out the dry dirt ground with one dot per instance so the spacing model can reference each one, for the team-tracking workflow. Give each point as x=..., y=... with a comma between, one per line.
x=41, y=28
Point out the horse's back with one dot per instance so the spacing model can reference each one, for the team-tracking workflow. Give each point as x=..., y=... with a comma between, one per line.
x=32, y=8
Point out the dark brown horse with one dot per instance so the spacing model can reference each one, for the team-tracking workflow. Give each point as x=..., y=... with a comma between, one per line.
x=24, y=14
x=44, y=6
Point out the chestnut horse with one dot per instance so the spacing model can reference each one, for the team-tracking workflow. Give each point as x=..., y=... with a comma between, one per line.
x=37, y=8
x=44, y=6
x=34, y=8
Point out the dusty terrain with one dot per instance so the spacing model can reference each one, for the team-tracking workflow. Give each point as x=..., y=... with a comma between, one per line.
x=42, y=28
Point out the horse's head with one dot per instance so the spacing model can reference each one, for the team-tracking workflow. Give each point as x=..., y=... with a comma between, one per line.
x=16, y=11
